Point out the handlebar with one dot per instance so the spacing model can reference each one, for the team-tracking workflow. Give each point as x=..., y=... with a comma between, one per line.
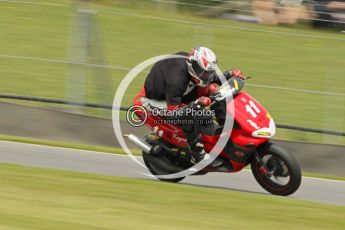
x=230, y=88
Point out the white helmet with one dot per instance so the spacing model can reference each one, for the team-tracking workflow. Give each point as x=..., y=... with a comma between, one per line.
x=202, y=64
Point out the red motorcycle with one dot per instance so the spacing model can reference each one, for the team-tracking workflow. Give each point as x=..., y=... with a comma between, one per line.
x=275, y=169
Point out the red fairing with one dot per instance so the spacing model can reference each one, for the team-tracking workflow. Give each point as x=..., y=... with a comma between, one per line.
x=136, y=100
x=170, y=133
x=242, y=138
x=251, y=116
x=209, y=144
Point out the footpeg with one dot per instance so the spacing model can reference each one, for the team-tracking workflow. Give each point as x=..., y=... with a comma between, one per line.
x=156, y=150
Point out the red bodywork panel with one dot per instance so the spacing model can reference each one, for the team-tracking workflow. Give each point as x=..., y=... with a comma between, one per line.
x=249, y=114
x=170, y=133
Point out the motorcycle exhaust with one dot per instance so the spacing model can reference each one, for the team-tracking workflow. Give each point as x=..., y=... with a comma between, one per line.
x=143, y=145
x=156, y=160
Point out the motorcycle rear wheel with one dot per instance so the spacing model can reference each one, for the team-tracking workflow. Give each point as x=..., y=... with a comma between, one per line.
x=286, y=177
x=156, y=170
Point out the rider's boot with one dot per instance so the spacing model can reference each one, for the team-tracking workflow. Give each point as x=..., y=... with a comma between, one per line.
x=198, y=153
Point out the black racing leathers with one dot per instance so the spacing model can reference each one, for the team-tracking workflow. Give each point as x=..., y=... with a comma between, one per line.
x=169, y=80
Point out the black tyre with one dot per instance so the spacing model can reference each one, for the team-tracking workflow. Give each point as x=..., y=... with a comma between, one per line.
x=158, y=170
x=286, y=173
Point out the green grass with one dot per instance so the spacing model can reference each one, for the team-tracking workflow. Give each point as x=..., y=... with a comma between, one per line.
x=271, y=59
x=33, y=198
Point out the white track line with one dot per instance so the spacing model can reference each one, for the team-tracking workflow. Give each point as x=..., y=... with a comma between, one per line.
x=224, y=26
x=63, y=62
x=32, y=3
x=296, y=90
x=128, y=69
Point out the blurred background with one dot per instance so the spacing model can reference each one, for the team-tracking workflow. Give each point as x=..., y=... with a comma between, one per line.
x=61, y=62
x=79, y=51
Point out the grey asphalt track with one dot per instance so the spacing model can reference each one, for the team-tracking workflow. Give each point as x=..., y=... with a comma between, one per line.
x=312, y=189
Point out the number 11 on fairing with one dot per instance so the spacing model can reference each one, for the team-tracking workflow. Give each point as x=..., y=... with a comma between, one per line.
x=252, y=109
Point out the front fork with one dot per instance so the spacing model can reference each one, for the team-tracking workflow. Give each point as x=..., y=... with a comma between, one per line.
x=262, y=165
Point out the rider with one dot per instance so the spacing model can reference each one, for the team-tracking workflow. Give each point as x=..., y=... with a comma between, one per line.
x=180, y=81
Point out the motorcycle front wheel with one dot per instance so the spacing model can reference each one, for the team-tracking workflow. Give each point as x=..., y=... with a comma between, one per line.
x=285, y=173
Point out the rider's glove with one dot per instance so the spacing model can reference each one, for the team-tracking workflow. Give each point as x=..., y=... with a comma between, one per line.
x=200, y=105
x=208, y=90
x=203, y=101
x=237, y=73
x=212, y=88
